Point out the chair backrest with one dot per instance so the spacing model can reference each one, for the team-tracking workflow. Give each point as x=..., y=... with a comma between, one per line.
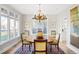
x=58, y=38
x=39, y=35
x=23, y=37
x=40, y=46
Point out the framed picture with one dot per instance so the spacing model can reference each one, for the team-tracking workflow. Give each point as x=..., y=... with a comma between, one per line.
x=27, y=32
x=53, y=32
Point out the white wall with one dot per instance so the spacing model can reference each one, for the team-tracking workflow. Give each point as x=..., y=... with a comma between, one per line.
x=51, y=23
x=63, y=23
x=27, y=22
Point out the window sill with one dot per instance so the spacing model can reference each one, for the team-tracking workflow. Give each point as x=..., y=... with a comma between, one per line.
x=1, y=43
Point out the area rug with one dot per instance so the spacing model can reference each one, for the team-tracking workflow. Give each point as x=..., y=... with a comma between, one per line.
x=26, y=50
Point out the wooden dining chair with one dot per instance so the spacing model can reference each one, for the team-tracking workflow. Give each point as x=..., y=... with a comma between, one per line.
x=40, y=46
x=24, y=39
x=55, y=43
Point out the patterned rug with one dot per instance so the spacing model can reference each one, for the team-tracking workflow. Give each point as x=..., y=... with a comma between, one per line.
x=26, y=50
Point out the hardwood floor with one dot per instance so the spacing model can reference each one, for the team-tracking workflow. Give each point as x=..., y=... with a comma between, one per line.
x=64, y=47
x=13, y=49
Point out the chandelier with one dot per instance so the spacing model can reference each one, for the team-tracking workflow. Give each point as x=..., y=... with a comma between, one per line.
x=39, y=15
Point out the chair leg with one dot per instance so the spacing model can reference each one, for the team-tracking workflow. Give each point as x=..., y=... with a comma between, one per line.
x=22, y=47
x=55, y=46
x=29, y=48
x=58, y=47
x=50, y=48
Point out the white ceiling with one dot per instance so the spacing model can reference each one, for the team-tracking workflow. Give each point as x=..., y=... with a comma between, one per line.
x=47, y=8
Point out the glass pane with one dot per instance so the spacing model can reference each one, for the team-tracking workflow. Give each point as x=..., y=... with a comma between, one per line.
x=4, y=28
x=4, y=35
x=17, y=28
x=39, y=26
x=12, y=28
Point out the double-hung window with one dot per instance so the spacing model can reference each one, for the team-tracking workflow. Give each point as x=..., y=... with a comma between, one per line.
x=16, y=28
x=4, y=28
x=12, y=28
x=4, y=36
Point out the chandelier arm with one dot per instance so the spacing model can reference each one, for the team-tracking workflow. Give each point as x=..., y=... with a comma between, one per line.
x=39, y=16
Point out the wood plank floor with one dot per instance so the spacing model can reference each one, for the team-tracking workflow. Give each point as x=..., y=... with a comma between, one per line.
x=66, y=49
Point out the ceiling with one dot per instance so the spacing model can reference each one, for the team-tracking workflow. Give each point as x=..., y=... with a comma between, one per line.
x=46, y=8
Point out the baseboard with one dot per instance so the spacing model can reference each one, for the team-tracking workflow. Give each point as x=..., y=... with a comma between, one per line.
x=73, y=48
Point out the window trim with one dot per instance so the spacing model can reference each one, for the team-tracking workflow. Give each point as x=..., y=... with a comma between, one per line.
x=0, y=24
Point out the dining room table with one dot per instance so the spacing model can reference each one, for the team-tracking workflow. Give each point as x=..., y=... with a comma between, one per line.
x=49, y=39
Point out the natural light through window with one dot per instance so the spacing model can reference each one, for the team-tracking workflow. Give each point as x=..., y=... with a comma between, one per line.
x=12, y=28
x=9, y=26
x=4, y=28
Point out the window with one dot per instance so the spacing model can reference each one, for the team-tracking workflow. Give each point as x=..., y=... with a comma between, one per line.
x=12, y=28
x=9, y=25
x=17, y=28
x=39, y=26
x=4, y=28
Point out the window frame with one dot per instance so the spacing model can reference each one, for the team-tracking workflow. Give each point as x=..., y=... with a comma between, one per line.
x=46, y=23
x=0, y=26
x=9, y=27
